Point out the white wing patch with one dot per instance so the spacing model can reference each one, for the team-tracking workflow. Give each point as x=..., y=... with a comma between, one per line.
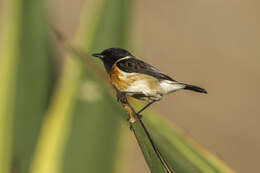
x=170, y=86
x=140, y=86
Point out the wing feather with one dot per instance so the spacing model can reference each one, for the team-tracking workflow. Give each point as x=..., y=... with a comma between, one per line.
x=134, y=65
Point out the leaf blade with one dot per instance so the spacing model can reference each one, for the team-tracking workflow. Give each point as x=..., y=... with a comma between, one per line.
x=190, y=153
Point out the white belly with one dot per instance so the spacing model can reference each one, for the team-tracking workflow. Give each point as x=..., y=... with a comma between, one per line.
x=170, y=86
x=142, y=86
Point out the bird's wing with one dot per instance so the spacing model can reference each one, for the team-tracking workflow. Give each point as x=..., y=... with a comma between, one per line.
x=134, y=65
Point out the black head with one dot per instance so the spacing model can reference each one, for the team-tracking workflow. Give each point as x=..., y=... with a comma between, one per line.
x=111, y=55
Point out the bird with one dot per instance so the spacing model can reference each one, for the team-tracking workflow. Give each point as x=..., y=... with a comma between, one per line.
x=133, y=77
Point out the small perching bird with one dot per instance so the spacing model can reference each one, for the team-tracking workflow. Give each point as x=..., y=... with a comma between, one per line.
x=136, y=78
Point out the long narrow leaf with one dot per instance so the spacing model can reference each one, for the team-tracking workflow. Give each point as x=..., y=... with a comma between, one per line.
x=150, y=151
x=26, y=72
x=8, y=63
x=181, y=151
x=50, y=148
x=34, y=81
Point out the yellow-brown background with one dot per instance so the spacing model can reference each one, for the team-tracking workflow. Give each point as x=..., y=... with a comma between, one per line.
x=211, y=43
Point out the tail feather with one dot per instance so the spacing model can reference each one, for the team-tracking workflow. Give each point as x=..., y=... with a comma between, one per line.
x=195, y=88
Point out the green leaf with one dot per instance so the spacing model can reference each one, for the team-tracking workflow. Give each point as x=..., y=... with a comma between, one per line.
x=181, y=151
x=56, y=125
x=9, y=55
x=26, y=68
x=154, y=160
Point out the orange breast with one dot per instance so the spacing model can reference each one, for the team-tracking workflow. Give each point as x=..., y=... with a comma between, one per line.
x=118, y=80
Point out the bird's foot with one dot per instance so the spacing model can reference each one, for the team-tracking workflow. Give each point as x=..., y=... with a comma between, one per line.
x=121, y=97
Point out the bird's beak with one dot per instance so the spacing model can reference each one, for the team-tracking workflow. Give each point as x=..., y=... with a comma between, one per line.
x=98, y=55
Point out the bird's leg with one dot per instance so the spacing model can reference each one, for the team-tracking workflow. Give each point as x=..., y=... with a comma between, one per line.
x=118, y=94
x=121, y=97
x=146, y=106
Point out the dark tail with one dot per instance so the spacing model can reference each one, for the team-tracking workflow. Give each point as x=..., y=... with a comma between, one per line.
x=195, y=88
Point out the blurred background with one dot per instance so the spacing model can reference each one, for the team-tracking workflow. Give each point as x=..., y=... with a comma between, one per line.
x=213, y=44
